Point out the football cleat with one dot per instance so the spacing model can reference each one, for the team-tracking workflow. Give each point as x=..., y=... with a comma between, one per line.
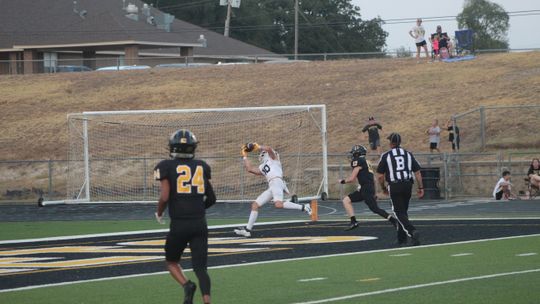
x=352, y=226
x=189, y=291
x=307, y=209
x=242, y=231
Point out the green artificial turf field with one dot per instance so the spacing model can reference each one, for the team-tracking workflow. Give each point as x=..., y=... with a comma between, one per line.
x=405, y=275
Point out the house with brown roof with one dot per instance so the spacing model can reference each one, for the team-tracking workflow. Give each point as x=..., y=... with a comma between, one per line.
x=38, y=35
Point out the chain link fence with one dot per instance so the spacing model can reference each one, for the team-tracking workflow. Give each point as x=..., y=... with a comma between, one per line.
x=456, y=175
x=497, y=127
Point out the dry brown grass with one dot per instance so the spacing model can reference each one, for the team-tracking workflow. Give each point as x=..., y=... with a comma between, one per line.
x=405, y=96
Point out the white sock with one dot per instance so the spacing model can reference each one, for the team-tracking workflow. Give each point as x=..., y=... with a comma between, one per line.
x=252, y=219
x=289, y=205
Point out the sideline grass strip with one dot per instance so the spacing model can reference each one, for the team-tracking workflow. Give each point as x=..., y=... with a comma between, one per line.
x=30, y=230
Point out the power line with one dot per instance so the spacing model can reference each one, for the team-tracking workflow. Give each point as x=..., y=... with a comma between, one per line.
x=273, y=26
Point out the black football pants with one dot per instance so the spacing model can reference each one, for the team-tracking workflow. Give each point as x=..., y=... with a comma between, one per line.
x=367, y=194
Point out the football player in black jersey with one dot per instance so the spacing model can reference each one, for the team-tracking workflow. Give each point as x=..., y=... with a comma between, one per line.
x=362, y=171
x=187, y=192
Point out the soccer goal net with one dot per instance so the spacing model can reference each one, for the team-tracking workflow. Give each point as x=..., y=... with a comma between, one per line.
x=112, y=155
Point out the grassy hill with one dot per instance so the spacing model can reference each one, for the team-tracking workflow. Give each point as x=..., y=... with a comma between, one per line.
x=403, y=95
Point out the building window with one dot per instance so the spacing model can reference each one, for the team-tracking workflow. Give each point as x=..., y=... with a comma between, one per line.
x=50, y=61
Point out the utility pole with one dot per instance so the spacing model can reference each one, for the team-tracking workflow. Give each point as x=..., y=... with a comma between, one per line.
x=295, y=29
x=230, y=5
x=228, y=20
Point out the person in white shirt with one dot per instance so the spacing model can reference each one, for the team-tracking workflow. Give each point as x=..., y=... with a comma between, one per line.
x=270, y=167
x=434, y=133
x=503, y=188
x=417, y=33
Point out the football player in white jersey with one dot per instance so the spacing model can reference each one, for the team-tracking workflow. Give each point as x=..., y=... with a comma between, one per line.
x=270, y=167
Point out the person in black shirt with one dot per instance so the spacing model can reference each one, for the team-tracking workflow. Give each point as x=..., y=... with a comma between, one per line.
x=186, y=190
x=373, y=127
x=397, y=167
x=453, y=137
x=362, y=171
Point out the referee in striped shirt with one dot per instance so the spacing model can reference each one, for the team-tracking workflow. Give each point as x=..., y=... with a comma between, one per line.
x=398, y=168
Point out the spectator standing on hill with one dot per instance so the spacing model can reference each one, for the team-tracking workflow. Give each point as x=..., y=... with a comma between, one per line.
x=418, y=34
x=186, y=191
x=398, y=168
x=434, y=133
x=373, y=127
x=453, y=134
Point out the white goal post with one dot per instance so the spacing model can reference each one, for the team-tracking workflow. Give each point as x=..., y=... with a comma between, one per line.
x=112, y=154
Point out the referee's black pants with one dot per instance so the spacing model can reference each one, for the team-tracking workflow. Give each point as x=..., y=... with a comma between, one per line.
x=400, y=195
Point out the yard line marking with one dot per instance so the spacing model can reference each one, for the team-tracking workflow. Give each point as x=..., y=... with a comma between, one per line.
x=312, y=279
x=462, y=254
x=365, y=294
x=368, y=280
x=400, y=255
x=526, y=254
x=273, y=261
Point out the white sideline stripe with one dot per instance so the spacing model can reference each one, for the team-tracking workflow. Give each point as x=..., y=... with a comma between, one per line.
x=419, y=219
x=83, y=236
x=358, y=295
x=274, y=261
x=400, y=255
x=312, y=279
x=462, y=254
x=526, y=254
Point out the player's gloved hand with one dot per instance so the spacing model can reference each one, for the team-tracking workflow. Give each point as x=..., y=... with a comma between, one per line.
x=252, y=147
x=159, y=219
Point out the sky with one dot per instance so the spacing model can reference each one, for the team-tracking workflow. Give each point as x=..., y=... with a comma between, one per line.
x=523, y=32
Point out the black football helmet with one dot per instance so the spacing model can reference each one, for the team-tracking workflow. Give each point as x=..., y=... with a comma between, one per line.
x=182, y=144
x=358, y=151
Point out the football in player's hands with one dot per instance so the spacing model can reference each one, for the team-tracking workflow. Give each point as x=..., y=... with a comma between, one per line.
x=251, y=147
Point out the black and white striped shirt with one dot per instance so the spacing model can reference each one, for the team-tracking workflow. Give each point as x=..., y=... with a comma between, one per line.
x=398, y=165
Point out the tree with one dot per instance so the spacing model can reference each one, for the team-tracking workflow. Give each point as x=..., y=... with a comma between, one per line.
x=489, y=22
x=325, y=26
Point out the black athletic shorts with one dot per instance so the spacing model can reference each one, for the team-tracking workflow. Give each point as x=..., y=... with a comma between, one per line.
x=187, y=231
x=421, y=43
x=432, y=146
x=499, y=195
x=367, y=190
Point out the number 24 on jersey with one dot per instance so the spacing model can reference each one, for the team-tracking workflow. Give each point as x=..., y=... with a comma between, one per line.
x=186, y=180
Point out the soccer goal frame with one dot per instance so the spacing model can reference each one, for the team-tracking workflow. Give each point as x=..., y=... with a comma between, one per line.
x=296, y=124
